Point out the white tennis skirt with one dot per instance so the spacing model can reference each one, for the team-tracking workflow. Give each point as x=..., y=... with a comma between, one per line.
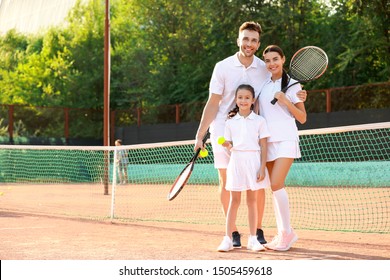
x=283, y=149
x=242, y=172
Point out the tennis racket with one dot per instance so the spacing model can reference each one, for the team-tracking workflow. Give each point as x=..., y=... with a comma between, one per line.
x=183, y=177
x=307, y=64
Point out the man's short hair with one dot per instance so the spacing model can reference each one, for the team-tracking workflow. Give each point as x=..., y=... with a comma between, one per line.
x=251, y=25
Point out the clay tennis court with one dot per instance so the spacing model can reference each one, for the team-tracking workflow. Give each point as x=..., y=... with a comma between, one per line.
x=62, y=222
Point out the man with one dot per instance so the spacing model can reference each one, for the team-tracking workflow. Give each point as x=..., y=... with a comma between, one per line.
x=241, y=68
x=122, y=161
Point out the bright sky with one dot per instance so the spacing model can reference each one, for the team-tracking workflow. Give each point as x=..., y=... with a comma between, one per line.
x=32, y=16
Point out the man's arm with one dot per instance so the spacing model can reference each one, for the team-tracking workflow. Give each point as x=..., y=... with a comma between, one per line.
x=209, y=113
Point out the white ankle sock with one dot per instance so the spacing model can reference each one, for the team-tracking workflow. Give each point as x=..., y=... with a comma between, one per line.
x=283, y=208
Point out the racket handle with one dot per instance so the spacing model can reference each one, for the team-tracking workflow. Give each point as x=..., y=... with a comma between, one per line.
x=206, y=136
x=283, y=90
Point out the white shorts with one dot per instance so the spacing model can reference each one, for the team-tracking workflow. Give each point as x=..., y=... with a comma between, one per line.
x=242, y=172
x=221, y=159
x=283, y=149
x=221, y=154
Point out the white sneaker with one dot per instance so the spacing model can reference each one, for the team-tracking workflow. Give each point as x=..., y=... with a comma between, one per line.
x=226, y=244
x=286, y=241
x=254, y=244
x=275, y=241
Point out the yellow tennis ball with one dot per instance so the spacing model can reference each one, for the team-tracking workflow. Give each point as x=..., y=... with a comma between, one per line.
x=221, y=140
x=203, y=153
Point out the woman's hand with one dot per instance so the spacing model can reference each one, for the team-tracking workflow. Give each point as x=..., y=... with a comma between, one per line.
x=281, y=97
x=302, y=95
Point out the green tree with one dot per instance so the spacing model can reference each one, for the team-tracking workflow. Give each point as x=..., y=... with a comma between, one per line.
x=365, y=51
x=174, y=43
x=12, y=52
x=86, y=52
x=163, y=52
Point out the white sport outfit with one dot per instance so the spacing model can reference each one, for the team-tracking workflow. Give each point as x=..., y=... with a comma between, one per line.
x=245, y=158
x=228, y=74
x=284, y=140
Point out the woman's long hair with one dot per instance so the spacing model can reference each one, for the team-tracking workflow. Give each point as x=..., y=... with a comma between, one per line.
x=275, y=48
x=235, y=110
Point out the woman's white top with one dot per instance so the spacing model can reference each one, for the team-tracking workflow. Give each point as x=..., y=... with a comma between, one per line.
x=281, y=123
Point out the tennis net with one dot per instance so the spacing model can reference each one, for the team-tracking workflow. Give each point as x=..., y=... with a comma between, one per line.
x=341, y=183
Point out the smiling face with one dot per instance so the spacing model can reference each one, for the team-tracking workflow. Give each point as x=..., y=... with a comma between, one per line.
x=274, y=63
x=248, y=42
x=244, y=99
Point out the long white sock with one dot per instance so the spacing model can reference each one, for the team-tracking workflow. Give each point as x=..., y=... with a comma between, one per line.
x=281, y=198
x=277, y=214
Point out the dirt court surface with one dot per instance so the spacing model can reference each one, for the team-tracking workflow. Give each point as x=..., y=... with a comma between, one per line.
x=29, y=236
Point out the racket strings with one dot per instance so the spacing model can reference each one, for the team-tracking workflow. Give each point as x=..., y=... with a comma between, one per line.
x=180, y=182
x=308, y=64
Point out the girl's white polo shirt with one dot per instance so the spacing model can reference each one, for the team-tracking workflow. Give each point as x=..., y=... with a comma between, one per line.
x=246, y=132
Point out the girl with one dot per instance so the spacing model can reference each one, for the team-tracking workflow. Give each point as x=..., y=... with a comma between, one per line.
x=246, y=137
x=283, y=144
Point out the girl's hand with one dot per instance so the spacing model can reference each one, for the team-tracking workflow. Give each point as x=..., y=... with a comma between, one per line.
x=228, y=145
x=260, y=175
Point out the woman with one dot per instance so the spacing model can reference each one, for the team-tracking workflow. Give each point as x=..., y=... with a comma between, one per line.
x=283, y=144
